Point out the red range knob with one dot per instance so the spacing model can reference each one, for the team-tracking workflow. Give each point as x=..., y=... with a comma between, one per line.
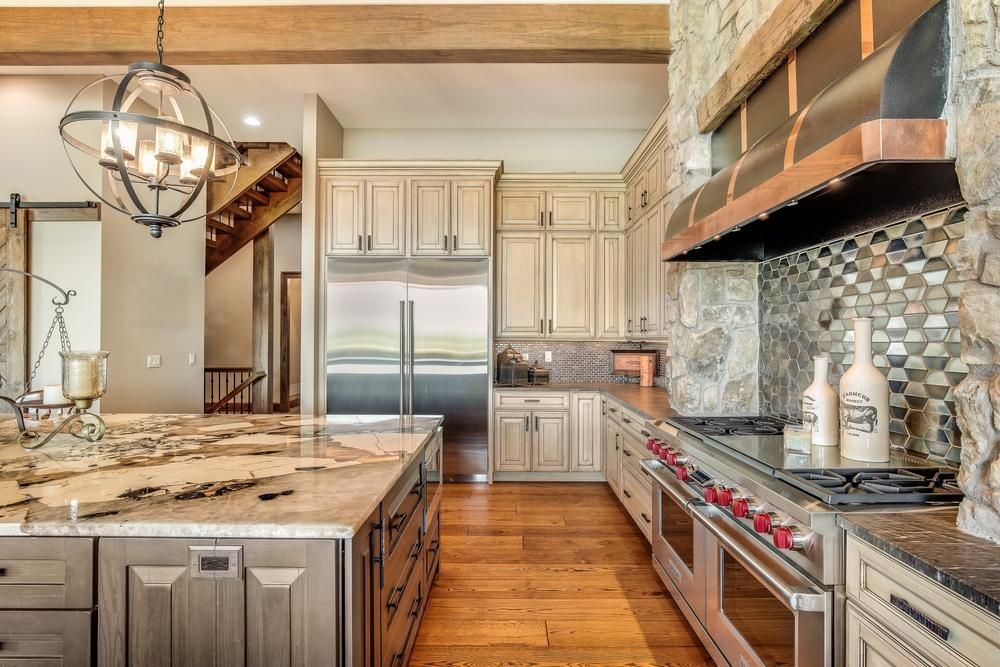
x=785, y=538
x=682, y=473
x=742, y=508
x=762, y=522
x=725, y=496
x=670, y=457
x=651, y=444
x=711, y=495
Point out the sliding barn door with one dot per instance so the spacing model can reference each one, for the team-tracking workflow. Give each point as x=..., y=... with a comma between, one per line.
x=13, y=306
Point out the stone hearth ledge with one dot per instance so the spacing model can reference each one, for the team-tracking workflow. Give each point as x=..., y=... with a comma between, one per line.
x=194, y=476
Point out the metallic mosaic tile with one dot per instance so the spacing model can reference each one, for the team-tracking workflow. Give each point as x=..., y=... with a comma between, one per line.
x=584, y=361
x=905, y=278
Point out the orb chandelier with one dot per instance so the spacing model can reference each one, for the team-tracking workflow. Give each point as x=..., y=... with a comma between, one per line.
x=155, y=148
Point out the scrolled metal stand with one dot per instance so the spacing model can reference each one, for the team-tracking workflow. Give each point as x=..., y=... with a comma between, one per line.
x=77, y=425
x=84, y=425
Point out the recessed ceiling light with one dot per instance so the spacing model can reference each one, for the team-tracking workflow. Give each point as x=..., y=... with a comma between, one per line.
x=252, y=121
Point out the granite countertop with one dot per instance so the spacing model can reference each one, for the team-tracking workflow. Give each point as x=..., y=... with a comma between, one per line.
x=236, y=476
x=650, y=402
x=932, y=544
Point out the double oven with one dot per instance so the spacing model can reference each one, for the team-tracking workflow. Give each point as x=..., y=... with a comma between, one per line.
x=749, y=604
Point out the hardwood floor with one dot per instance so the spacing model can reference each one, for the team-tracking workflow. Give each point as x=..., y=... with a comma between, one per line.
x=548, y=574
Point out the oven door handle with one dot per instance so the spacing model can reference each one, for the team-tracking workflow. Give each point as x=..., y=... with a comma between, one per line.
x=803, y=597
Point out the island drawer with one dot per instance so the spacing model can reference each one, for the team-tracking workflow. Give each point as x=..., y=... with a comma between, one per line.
x=403, y=506
x=40, y=638
x=46, y=573
x=531, y=400
x=433, y=551
x=399, y=635
x=936, y=622
x=401, y=563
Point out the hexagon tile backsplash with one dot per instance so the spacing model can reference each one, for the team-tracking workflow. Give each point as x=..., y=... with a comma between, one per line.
x=905, y=278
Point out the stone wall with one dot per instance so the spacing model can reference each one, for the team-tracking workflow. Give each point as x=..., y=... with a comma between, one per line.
x=705, y=34
x=976, y=125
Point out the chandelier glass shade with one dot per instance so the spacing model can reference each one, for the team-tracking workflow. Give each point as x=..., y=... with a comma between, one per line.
x=158, y=145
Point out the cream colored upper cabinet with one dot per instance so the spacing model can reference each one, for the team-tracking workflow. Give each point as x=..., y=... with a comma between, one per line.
x=550, y=443
x=520, y=308
x=343, y=208
x=430, y=218
x=522, y=210
x=653, y=309
x=570, y=293
x=586, y=429
x=472, y=206
x=611, y=207
x=636, y=269
x=385, y=218
x=611, y=286
x=653, y=170
x=572, y=210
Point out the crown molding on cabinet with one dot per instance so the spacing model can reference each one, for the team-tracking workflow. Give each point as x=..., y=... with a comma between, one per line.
x=649, y=141
x=561, y=180
x=424, y=168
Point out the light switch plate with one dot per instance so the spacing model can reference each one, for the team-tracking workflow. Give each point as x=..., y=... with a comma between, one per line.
x=192, y=359
x=548, y=356
x=153, y=361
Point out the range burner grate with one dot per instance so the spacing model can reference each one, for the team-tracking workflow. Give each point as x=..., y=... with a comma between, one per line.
x=765, y=425
x=876, y=485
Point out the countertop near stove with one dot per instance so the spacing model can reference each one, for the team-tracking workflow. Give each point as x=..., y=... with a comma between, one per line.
x=932, y=544
x=650, y=402
x=193, y=476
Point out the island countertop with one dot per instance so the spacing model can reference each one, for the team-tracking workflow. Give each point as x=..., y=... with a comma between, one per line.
x=193, y=476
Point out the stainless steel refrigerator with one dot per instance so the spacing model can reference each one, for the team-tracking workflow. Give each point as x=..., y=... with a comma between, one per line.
x=411, y=336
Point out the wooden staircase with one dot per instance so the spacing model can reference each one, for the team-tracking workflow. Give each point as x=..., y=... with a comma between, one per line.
x=267, y=187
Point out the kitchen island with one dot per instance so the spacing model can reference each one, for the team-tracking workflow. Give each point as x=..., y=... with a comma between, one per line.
x=223, y=539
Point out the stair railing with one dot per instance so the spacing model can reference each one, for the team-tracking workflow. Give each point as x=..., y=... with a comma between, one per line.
x=229, y=390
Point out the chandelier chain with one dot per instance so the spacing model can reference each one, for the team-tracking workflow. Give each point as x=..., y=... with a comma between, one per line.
x=159, y=32
x=63, y=341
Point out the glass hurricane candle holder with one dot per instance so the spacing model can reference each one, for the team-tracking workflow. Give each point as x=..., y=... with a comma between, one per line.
x=84, y=376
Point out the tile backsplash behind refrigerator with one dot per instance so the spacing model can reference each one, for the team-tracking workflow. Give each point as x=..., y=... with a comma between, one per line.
x=903, y=276
x=582, y=361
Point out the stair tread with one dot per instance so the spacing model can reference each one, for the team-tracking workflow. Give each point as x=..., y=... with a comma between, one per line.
x=272, y=183
x=291, y=168
x=255, y=196
x=238, y=211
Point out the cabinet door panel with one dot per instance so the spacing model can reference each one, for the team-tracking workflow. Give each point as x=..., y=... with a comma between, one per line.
x=343, y=212
x=522, y=209
x=171, y=617
x=430, y=226
x=611, y=291
x=572, y=210
x=585, y=432
x=385, y=217
x=571, y=278
x=550, y=443
x=275, y=616
x=521, y=284
x=869, y=645
x=512, y=441
x=654, y=177
x=611, y=207
x=471, y=224
x=654, y=273
x=637, y=279
x=612, y=455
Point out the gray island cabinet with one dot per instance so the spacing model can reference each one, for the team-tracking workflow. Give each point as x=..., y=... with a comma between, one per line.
x=220, y=540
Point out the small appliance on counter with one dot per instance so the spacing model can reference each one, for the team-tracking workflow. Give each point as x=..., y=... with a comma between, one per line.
x=635, y=363
x=512, y=369
x=538, y=375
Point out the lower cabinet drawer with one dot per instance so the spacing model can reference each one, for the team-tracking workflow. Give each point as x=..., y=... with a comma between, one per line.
x=531, y=400
x=402, y=574
x=42, y=638
x=432, y=552
x=636, y=425
x=638, y=500
x=398, y=638
x=945, y=629
x=46, y=572
x=869, y=645
x=633, y=454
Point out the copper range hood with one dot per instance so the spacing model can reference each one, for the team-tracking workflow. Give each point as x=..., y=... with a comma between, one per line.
x=869, y=150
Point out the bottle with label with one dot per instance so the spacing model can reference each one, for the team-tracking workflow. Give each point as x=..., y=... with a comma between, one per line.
x=819, y=406
x=864, y=402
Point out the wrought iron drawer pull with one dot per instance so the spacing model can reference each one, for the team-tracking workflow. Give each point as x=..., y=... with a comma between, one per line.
x=645, y=518
x=627, y=494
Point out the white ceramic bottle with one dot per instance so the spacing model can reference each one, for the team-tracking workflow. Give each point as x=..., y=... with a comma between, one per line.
x=819, y=406
x=864, y=402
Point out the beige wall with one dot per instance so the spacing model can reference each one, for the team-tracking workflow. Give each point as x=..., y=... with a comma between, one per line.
x=229, y=311
x=287, y=239
x=593, y=150
x=67, y=253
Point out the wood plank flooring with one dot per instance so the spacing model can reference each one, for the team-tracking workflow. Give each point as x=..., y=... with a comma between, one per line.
x=547, y=574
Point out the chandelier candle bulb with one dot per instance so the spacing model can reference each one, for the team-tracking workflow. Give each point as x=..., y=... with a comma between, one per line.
x=169, y=146
x=864, y=402
x=819, y=406
x=147, y=165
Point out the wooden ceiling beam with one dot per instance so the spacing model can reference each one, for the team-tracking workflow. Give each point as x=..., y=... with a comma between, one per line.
x=321, y=34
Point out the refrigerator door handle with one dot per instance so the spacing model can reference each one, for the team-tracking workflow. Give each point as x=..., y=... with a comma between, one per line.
x=402, y=358
x=410, y=353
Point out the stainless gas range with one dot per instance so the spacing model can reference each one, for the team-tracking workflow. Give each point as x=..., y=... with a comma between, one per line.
x=745, y=535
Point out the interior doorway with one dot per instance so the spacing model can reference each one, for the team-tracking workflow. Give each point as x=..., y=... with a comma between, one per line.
x=289, y=362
